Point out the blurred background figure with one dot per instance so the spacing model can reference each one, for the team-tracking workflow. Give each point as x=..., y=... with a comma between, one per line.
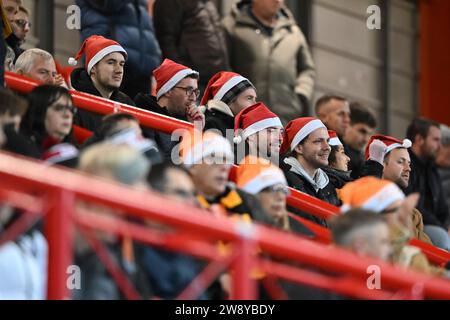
x=127, y=22
x=266, y=46
x=362, y=126
x=443, y=162
x=21, y=27
x=189, y=32
x=363, y=232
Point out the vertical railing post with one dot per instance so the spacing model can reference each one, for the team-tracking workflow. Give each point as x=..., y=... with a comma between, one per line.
x=243, y=287
x=59, y=233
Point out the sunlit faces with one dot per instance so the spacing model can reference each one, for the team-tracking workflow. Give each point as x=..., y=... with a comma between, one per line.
x=108, y=72
x=210, y=179
x=313, y=153
x=245, y=99
x=341, y=160
x=59, y=117
x=267, y=142
x=397, y=167
x=336, y=116
x=273, y=200
x=182, y=96
x=43, y=70
x=357, y=135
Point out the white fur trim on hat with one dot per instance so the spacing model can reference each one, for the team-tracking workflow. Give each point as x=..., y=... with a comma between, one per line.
x=334, y=142
x=384, y=198
x=228, y=86
x=406, y=144
x=72, y=61
x=180, y=75
x=267, y=178
x=103, y=53
x=307, y=129
x=258, y=126
x=217, y=145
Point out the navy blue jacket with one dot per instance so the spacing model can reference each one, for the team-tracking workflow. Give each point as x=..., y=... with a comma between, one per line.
x=127, y=22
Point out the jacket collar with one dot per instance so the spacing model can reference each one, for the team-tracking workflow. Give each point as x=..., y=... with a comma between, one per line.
x=219, y=106
x=320, y=179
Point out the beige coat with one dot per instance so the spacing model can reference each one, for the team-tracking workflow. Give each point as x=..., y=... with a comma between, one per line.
x=280, y=65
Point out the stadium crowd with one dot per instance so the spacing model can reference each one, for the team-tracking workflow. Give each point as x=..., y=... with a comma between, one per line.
x=246, y=83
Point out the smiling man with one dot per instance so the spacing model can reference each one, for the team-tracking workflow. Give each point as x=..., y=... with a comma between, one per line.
x=101, y=76
x=306, y=150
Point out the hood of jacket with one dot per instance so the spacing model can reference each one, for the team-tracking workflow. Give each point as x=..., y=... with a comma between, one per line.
x=320, y=179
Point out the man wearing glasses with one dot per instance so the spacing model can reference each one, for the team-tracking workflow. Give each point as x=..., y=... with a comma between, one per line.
x=176, y=95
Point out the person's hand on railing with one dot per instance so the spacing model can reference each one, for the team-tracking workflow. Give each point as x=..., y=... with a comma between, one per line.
x=377, y=151
x=59, y=81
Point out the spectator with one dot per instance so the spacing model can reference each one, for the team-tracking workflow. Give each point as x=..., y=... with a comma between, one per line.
x=443, y=162
x=306, y=150
x=182, y=25
x=101, y=76
x=10, y=9
x=386, y=198
x=12, y=109
x=337, y=169
x=23, y=262
x=388, y=158
x=364, y=232
x=21, y=26
x=267, y=182
x=49, y=118
x=424, y=179
x=362, y=125
x=334, y=112
x=208, y=159
x=226, y=95
x=123, y=164
x=170, y=272
x=261, y=131
x=39, y=65
x=6, y=30
x=266, y=46
x=128, y=23
x=176, y=93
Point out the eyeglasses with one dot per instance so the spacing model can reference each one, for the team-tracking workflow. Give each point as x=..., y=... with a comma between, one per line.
x=274, y=189
x=63, y=108
x=190, y=91
x=22, y=23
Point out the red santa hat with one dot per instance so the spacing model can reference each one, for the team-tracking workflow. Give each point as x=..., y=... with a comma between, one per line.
x=334, y=139
x=252, y=120
x=221, y=84
x=168, y=74
x=96, y=48
x=391, y=143
x=297, y=130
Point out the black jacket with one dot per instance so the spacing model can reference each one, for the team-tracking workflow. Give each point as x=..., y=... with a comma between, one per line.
x=82, y=82
x=338, y=178
x=298, y=182
x=216, y=119
x=14, y=43
x=163, y=140
x=372, y=168
x=425, y=179
x=189, y=32
x=356, y=163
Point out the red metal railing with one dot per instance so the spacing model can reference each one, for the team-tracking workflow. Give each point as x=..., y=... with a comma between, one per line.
x=197, y=234
x=159, y=122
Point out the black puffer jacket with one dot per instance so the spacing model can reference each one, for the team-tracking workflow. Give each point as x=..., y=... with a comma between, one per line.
x=300, y=183
x=163, y=140
x=424, y=178
x=82, y=82
x=338, y=178
x=189, y=32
